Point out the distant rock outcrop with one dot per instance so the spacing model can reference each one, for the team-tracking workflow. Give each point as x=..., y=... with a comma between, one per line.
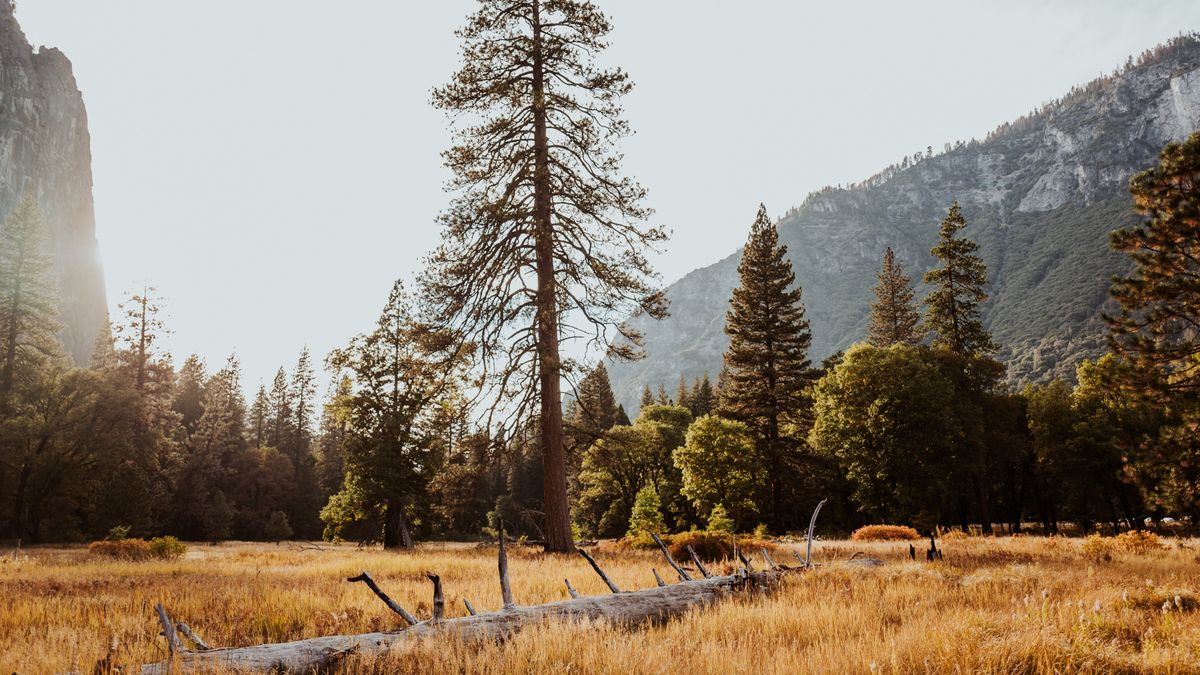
x=1040, y=196
x=45, y=147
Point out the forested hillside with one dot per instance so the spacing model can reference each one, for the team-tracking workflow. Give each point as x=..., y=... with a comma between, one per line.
x=1041, y=194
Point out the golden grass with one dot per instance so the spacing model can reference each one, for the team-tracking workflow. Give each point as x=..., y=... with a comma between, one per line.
x=1020, y=605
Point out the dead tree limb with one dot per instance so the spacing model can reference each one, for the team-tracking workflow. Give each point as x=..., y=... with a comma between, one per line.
x=683, y=575
x=505, y=587
x=658, y=579
x=365, y=578
x=470, y=608
x=767, y=558
x=611, y=586
x=173, y=644
x=745, y=561
x=812, y=523
x=439, y=600
x=189, y=634
x=571, y=589
x=699, y=565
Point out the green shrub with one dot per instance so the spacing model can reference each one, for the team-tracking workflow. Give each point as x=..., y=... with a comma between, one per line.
x=117, y=533
x=167, y=548
x=647, y=513
x=125, y=549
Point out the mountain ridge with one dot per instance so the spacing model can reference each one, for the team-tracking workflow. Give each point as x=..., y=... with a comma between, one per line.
x=1040, y=195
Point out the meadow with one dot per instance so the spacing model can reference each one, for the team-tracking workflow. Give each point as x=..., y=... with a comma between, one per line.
x=1007, y=604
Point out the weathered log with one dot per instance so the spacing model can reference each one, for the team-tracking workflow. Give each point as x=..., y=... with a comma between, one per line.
x=571, y=589
x=173, y=644
x=182, y=627
x=611, y=586
x=652, y=605
x=658, y=579
x=470, y=607
x=767, y=558
x=683, y=575
x=699, y=565
x=365, y=578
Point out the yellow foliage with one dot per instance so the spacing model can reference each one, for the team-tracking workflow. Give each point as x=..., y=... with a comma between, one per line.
x=885, y=533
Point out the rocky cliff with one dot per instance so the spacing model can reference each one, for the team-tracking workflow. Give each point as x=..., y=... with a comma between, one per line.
x=45, y=147
x=1040, y=196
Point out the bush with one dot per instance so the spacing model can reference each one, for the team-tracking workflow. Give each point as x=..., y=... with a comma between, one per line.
x=951, y=535
x=167, y=548
x=1138, y=542
x=715, y=546
x=1097, y=548
x=885, y=533
x=124, y=549
x=647, y=513
x=117, y=533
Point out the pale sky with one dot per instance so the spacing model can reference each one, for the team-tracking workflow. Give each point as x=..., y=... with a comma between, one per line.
x=273, y=165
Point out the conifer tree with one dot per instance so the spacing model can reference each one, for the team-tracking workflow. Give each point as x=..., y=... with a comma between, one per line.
x=647, y=397
x=622, y=417
x=953, y=305
x=1156, y=328
x=543, y=228
x=140, y=329
x=767, y=360
x=682, y=396
x=704, y=399
x=28, y=300
x=280, y=410
x=595, y=408
x=662, y=398
x=189, y=392
x=104, y=349
x=257, y=424
x=894, y=317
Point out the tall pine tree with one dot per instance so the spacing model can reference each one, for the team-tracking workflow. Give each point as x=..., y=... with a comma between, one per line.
x=767, y=360
x=1158, y=327
x=894, y=317
x=544, y=229
x=953, y=305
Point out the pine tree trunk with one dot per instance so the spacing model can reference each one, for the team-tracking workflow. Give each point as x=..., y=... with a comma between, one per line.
x=558, y=516
x=10, y=352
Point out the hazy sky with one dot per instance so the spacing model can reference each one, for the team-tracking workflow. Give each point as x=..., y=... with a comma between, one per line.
x=273, y=165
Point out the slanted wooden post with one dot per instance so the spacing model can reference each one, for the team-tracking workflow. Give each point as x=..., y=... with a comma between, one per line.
x=392, y=604
x=657, y=578
x=699, y=565
x=683, y=575
x=611, y=586
x=173, y=645
x=439, y=600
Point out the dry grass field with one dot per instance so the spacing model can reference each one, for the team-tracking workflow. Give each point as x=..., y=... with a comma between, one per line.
x=1004, y=605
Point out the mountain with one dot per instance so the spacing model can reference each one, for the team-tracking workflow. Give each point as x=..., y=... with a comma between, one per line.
x=1040, y=196
x=45, y=147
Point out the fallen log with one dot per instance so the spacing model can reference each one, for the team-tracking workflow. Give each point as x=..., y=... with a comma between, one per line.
x=630, y=608
x=652, y=605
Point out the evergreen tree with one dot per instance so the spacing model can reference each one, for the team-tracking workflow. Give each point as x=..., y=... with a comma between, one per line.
x=28, y=300
x=404, y=376
x=682, y=396
x=140, y=329
x=662, y=398
x=647, y=512
x=280, y=411
x=704, y=399
x=540, y=197
x=953, y=305
x=257, y=422
x=622, y=417
x=104, y=349
x=594, y=410
x=767, y=360
x=189, y=392
x=894, y=317
x=647, y=397
x=1156, y=329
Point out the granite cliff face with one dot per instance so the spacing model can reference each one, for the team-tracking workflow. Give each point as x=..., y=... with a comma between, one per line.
x=1040, y=196
x=45, y=147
